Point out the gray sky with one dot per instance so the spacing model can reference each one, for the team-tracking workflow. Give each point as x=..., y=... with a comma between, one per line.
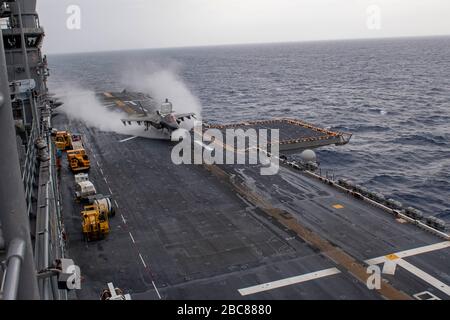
x=131, y=24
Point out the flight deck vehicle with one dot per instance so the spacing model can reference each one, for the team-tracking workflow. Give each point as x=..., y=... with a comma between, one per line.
x=78, y=160
x=95, y=223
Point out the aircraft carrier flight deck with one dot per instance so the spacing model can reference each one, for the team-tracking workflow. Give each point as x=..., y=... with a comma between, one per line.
x=226, y=232
x=138, y=226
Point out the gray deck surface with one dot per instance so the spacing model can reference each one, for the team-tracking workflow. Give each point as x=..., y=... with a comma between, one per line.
x=287, y=130
x=190, y=235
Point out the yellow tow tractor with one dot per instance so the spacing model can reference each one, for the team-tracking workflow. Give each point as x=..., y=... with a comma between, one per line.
x=78, y=160
x=96, y=217
x=62, y=140
x=76, y=154
x=95, y=223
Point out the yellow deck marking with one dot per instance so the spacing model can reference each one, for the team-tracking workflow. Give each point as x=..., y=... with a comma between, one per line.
x=392, y=257
x=338, y=206
x=119, y=103
x=123, y=106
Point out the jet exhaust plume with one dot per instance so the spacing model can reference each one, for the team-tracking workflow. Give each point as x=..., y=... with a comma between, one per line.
x=162, y=83
x=82, y=104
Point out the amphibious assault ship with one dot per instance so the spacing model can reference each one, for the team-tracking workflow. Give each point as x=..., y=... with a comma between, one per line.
x=193, y=231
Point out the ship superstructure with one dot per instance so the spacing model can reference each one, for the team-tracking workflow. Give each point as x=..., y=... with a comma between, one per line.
x=30, y=214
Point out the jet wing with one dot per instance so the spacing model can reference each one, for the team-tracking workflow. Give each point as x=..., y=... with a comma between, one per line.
x=143, y=120
x=181, y=116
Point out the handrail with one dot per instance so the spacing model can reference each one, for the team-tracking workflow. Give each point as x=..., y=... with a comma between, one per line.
x=16, y=252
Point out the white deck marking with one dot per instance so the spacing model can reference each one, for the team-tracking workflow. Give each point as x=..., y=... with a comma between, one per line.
x=400, y=262
x=128, y=139
x=104, y=178
x=117, y=206
x=101, y=171
x=110, y=192
x=431, y=296
x=288, y=281
x=142, y=259
x=412, y=252
x=98, y=163
x=156, y=289
x=153, y=282
x=123, y=219
x=413, y=269
x=389, y=267
x=131, y=236
x=424, y=276
x=203, y=145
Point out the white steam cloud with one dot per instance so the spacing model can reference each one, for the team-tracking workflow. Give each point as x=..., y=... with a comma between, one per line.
x=80, y=104
x=161, y=84
x=83, y=105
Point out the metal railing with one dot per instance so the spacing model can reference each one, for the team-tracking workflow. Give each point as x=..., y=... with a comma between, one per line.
x=29, y=168
x=11, y=276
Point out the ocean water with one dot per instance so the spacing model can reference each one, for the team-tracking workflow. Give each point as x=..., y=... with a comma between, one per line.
x=393, y=95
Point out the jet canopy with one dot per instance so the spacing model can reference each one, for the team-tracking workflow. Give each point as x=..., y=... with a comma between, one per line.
x=166, y=108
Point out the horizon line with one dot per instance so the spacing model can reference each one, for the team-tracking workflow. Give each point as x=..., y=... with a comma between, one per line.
x=248, y=44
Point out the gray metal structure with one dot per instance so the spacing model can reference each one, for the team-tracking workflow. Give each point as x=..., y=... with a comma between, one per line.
x=294, y=134
x=30, y=214
x=20, y=279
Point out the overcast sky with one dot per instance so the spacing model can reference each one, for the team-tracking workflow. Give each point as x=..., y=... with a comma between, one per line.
x=131, y=24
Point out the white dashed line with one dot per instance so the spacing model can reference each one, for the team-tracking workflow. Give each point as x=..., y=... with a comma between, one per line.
x=117, y=206
x=127, y=139
x=104, y=178
x=123, y=219
x=132, y=239
x=142, y=259
x=101, y=171
x=153, y=282
x=110, y=192
x=98, y=164
x=156, y=289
